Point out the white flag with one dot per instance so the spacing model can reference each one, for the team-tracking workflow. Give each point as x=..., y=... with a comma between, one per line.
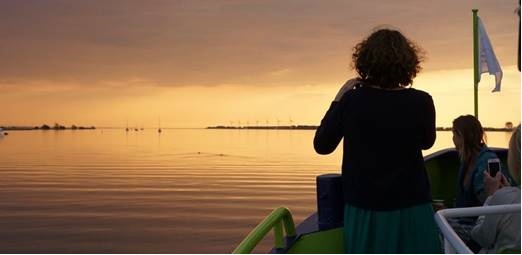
x=488, y=62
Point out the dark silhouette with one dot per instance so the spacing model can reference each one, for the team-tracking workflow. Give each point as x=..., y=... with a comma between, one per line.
x=385, y=125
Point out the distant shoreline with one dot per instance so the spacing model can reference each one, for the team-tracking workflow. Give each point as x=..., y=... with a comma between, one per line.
x=309, y=127
x=46, y=127
x=295, y=127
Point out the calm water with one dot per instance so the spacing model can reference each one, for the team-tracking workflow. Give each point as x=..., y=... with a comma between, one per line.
x=181, y=191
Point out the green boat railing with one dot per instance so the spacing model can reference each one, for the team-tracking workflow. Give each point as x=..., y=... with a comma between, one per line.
x=278, y=218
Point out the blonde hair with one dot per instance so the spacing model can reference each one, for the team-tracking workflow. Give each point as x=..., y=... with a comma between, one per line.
x=513, y=159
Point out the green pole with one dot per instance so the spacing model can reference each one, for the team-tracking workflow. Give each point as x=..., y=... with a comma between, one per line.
x=476, y=76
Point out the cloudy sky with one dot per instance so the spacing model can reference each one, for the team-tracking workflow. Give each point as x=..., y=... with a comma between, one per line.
x=199, y=63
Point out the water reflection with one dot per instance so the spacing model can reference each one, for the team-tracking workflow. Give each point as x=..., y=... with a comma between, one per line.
x=179, y=191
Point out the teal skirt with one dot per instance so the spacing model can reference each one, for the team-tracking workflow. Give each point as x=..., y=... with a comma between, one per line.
x=409, y=230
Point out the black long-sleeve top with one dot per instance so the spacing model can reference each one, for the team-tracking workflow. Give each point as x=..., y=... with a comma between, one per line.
x=384, y=134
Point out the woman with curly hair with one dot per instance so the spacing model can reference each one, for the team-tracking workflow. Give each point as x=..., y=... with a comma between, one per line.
x=385, y=125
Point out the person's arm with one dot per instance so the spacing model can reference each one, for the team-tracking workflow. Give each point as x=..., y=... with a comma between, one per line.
x=478, y=180
x=478, y=187
x=429, y=132
x=330, y=132
x=485, y=230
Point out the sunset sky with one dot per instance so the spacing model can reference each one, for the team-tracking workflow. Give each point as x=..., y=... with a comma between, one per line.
x=199, y=63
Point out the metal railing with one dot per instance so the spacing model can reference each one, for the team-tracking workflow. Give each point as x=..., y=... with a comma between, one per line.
x=275, y=220
x=452, y=242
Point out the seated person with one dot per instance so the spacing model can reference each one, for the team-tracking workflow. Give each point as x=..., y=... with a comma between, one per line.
x=468, y=137
x=501, y=231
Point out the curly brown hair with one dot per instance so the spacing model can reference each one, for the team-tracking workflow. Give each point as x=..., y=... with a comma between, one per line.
x=387, y=59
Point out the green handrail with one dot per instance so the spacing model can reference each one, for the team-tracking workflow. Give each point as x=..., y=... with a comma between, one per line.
x=278, y=218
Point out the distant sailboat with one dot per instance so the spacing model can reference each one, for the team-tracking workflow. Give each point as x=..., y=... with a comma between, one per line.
x=127, y=128
x=159, y=125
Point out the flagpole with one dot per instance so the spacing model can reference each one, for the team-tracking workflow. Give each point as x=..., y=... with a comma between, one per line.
x=475, y=60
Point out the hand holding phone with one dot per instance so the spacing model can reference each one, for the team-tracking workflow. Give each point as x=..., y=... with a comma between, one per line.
x=493, y=166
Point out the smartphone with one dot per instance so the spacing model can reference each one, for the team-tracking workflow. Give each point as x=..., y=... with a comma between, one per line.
x=493, y=166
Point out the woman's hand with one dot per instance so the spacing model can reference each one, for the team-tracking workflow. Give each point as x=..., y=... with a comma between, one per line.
x=504, y=182
x=348, y=85
x=492, y=184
